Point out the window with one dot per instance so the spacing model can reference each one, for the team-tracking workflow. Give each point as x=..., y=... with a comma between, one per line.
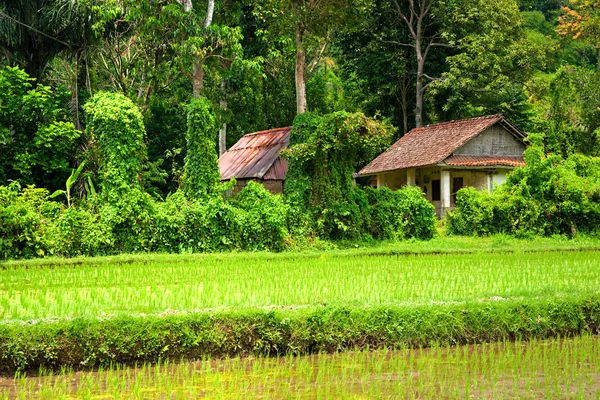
x=435, y=190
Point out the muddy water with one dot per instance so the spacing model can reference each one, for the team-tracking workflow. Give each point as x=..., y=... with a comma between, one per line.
x=541, y=369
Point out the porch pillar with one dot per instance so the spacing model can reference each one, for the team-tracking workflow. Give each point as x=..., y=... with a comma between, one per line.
x=380, y=181
x=489, y=182
x=410, y=176
x=445, y=189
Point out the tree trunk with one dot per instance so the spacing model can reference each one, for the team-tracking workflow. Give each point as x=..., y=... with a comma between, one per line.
x=209, y=13
x=419, y=98
x=420, y=68
x=223, y=130
x=198, y=80
x=404, y=104
x=300, y=73
x=198, y=74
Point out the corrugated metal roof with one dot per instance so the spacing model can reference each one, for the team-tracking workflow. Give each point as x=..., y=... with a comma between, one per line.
x=255, y=154
x=484, y=161
x=430, y=145
x=278, y=170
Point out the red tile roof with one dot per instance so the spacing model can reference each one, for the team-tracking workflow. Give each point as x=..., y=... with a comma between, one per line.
x=484, y=161
x=255, y=156
x=429, y=145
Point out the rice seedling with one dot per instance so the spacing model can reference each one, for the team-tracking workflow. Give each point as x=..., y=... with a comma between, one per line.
x=183, y=285
x=557, y=368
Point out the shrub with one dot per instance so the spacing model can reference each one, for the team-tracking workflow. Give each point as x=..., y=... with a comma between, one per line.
x=201, y=172
x=25, y=217
x=261, y=218
x=548, y=196
x=79, y=232
x=324, y=153
x=399, y=214
x=117, y=130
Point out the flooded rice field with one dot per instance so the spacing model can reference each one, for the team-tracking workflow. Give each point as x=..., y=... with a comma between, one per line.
x=557, y=368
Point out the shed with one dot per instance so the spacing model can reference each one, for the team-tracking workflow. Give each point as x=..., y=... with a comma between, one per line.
x=256, y=157
x=445, y=157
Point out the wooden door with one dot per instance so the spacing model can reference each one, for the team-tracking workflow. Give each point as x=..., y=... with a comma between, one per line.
x=457, y=184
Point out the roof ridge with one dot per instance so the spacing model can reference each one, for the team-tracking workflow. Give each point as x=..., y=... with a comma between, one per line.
x=268, y=131
x=454, y=121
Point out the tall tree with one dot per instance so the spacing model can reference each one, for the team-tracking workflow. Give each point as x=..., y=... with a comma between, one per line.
x=311, y=23
x=580, y=20
x=417, y=17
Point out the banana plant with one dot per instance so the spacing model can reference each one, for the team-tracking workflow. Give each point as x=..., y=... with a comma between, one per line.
x=70, y=182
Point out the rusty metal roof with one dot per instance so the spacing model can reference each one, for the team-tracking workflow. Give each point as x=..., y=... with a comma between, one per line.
x=278, y=170
x=430, y=145
x=484, y=161
x=256, y=155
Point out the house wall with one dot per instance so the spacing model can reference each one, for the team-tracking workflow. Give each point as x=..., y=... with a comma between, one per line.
x=499, y=177
x=393, y=180
x=476, y=178
x=494, y=141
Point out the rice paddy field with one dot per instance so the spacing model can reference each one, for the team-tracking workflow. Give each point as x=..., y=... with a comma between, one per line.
x=209, y=283
x=103, y=328
x=554, y=368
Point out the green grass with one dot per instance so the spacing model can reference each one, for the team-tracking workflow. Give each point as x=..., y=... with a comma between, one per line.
x=172, y=284
x=537, y=369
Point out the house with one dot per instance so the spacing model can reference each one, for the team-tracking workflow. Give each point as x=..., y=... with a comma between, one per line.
x=445, y=157
x=255, y=157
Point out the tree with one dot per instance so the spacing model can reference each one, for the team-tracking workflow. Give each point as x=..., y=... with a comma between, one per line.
x=479, y=40
x=580, y=20
x=311, y=23
x=116, y=128
x=32, y=32
x=416, y=19
x=36, y=141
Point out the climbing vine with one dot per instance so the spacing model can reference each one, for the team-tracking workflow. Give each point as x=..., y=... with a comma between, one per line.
x=324, y=153
x=116, y=128
x=201, y=172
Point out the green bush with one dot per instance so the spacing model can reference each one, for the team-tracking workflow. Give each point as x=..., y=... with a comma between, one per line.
x=324, y=153
x=25, y=217
x=201, y=172
x=79, y=232
x=548, y=196
x=261, y=218
x=116, y=127
x=400, y=214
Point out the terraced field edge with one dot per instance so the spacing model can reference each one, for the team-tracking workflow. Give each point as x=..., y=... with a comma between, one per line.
x=87, y=343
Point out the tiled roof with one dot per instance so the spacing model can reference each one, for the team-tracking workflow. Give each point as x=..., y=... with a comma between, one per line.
x=431, y=144
x=255, y=156
x=484, y=161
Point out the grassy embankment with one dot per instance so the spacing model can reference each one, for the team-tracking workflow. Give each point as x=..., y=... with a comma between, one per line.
x=89, y=312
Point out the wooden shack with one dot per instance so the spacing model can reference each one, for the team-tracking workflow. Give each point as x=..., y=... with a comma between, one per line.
x=255, y=157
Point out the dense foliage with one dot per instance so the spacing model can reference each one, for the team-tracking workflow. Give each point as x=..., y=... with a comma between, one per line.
x=115, y=126
x=201, y=172
x=36, y=137
x=550, y=195
x=143, y=69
